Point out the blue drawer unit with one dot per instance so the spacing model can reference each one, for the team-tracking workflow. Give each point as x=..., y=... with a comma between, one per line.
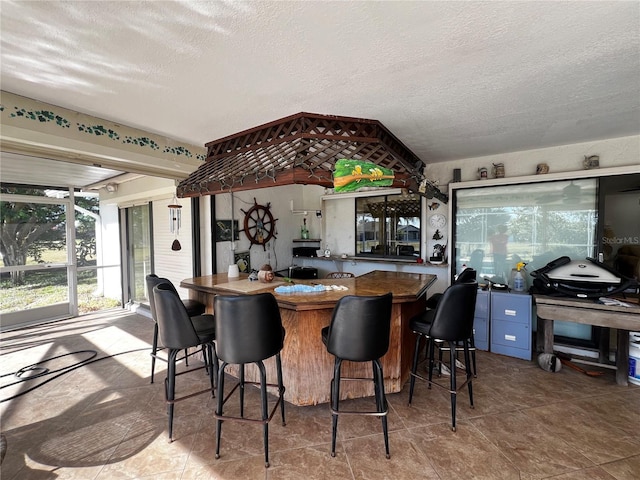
x=481, y=321
x=511, y=328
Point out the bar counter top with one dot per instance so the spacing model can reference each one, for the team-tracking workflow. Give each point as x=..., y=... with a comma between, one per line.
x=405, y=287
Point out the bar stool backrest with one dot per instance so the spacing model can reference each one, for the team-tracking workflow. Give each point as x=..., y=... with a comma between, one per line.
x=248, y=327
x=466, y=275
x=174, y=324
x=453, y=318
x=153, y=280
x=360, y=327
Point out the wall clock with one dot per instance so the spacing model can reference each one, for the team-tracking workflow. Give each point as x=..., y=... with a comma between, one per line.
x=437, y=220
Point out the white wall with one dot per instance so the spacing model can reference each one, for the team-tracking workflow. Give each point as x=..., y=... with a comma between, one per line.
x=139, y=191
x=278, y=251
x=339, y=216
x=616, y=152
x=168, y=263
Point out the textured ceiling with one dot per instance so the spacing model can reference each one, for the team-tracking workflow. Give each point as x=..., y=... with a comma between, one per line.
x=449, y=79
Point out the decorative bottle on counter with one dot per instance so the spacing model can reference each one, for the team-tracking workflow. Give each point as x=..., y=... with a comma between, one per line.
x=518, y=279
x=304, y=232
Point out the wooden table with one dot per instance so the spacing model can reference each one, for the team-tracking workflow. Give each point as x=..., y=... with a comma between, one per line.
x=589, y=312
x=307, y=367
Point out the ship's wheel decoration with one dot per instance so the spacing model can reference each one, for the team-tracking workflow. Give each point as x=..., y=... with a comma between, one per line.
x=259, y=224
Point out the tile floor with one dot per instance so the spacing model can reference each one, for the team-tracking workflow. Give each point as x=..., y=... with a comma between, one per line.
x=105, y=420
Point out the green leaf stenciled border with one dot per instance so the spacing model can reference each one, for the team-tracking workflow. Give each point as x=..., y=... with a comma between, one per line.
x=98, y=130
x=41, y=116
x=45, y=116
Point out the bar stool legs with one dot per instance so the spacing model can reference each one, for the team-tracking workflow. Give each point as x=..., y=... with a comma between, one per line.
x=454, y=388
x=250, y=330
x=380, y=398
x=450, y=323
x=266, y=415
x=170, y=381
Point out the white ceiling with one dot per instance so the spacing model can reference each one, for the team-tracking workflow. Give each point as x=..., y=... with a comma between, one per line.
x=28, y=170
x=450, y=79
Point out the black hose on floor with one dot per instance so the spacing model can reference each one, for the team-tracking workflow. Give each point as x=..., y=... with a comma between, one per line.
x=37, y=370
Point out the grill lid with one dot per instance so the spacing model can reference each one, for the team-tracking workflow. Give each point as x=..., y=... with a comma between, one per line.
x=579, y=278
x=583, y=271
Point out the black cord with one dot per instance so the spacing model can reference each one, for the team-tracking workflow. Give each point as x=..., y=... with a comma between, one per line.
x=43, y=371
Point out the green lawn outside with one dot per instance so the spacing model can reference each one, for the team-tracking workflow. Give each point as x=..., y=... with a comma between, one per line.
x=47, y=288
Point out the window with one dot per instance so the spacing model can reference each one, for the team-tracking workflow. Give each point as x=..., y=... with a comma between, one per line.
x=497, y=227
x=139, y=250
x=388, y=226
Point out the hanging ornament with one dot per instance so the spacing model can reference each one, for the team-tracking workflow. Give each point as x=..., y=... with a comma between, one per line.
x=259, y=224
x=175, y=222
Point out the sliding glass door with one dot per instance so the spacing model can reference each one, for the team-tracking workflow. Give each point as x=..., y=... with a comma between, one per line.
x=139, y=251
x=37, y=274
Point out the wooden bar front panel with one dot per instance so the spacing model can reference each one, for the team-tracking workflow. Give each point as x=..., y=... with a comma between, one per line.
x=306, y=364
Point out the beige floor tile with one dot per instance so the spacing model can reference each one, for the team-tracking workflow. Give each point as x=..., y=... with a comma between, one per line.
x=309, y=462
x=367, y=458
x=465, y=453
x=625, y=469
x=587, y=431
x=105, y=420
x=530, y=446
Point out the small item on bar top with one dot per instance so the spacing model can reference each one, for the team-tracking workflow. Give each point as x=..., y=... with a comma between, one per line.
x=299, y=288
x=234, y=271
x=266, y=275
x=308, y=288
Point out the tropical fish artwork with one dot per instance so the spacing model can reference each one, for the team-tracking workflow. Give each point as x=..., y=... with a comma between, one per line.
x=434, y=206
x=350, y=175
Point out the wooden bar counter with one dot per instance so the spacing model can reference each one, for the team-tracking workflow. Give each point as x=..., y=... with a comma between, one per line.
x=307, y=367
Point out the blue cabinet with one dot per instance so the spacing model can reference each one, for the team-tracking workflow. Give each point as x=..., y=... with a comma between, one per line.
x=511, y=326
x=481, y=321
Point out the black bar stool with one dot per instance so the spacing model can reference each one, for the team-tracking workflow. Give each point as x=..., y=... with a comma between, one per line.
x=177, y=333
x=202, y=323
x=466, y=275
x=359, y=332
x=450, y=322
x=249, y=330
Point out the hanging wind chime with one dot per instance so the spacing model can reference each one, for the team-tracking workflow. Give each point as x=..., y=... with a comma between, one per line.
x=175, y=221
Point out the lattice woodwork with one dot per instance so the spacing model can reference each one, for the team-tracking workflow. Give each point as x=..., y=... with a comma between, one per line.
x=300, y=149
